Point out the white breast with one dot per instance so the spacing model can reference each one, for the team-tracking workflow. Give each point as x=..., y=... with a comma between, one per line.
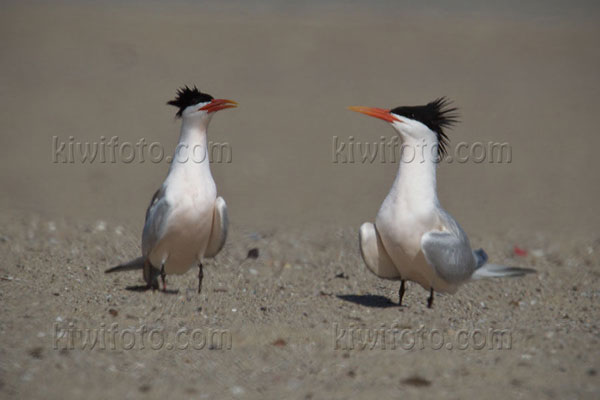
x=189, y=226
x=401, y=229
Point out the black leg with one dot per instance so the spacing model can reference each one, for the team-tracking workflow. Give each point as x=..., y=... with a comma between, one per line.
x=153, y=284
x=200, y=276
x=430, y=299
x=162, y=276
x=150, y=276
x=401, y=291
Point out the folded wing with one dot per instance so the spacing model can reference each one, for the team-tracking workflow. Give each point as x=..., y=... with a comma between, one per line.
x=218, y=234
x=374, y=254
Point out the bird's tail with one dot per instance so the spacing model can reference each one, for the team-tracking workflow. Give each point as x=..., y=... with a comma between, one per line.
x=486, y=270
x=132, y=265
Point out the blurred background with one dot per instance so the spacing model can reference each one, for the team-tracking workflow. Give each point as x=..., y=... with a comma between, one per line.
x=525, y=73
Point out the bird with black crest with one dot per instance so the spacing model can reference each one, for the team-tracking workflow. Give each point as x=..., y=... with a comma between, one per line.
x=414, y=238
x=185, y=222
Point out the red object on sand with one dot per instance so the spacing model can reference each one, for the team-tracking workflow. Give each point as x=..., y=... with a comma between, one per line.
x=519, y=251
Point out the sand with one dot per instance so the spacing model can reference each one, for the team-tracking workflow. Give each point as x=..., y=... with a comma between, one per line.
x=305, y=319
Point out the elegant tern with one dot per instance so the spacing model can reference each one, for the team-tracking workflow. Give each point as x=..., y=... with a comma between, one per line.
x=414, y=238
x=185, y=221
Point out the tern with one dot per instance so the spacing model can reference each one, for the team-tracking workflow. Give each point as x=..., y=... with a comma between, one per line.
x=185, y=221
x=414, y=238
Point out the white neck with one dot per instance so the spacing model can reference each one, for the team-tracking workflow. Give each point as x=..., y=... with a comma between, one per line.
x=415, y=183
x=191, y=154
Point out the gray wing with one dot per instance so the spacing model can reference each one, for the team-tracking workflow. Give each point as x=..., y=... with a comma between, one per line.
x=374, y=254
x=218, y=234
x=449, y=251
x=156, y=217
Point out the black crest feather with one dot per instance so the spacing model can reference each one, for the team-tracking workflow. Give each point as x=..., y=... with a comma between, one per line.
x=437, y=116
x=188, y=97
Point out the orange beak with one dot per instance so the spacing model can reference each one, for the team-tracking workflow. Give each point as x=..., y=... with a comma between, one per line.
x=218, y=104
x=376, y=112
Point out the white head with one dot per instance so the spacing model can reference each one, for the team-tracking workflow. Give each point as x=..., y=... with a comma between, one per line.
x=194, y=104
x=418, y=122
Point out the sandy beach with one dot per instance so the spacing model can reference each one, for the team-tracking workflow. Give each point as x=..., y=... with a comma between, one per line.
x=305, y=319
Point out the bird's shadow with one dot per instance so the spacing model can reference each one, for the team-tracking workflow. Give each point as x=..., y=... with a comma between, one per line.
x=368, y=300
x=144, y=288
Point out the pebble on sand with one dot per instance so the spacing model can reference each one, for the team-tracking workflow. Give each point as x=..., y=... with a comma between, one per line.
x=100, y=226
x=416, y=381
